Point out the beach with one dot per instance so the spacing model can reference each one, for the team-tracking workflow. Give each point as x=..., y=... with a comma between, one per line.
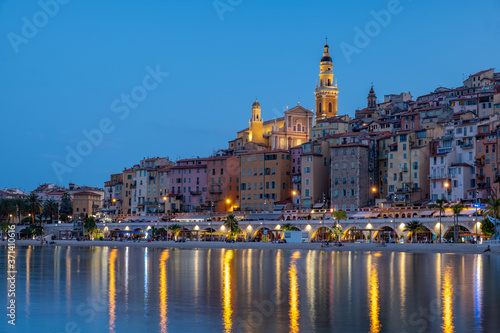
x=356, y=247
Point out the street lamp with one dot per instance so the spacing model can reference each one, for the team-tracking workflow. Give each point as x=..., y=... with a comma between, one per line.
x=228, y=201
x=165, y=201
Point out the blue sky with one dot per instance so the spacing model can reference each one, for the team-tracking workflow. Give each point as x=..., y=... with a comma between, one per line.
x=63, y=77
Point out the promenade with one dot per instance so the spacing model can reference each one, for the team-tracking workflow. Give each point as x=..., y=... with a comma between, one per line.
x=371, y=247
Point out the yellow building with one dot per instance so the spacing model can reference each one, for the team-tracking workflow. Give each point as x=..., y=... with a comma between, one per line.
x=326, y=91
x=265, y=179
x=86, y=202
x=280, y=133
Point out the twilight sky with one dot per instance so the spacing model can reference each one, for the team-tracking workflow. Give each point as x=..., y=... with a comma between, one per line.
x=177, y=78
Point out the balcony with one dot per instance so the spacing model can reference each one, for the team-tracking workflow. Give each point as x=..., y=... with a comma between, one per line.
x=479, y=175
x=215, y=191
x=479, y=162
x=467, y=146
x=194, y=192
x=442, y=176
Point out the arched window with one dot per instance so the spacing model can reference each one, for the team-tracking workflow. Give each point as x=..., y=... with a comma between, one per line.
x=330, y=107
x=329, y=82
x=320, y=109
x=299, y=127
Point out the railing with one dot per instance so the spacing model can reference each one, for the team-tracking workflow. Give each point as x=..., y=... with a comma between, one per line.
x=195, y=192
x=467, y=146
x=442, y=176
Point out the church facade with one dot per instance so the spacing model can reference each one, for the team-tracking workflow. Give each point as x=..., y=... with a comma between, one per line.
x=294, y=127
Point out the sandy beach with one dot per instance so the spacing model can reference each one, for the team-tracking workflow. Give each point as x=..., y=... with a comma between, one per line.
x=408, y=247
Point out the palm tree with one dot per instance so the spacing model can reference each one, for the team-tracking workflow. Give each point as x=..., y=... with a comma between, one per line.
x=50, y=209
x=335, y=232
x=493, y=207
x=339, y=215
x=91, y=226
x=456, y=211
x=34, y=205
x=440, y=204
x=289, y=227
x=233, y=226
x=175, y=229
x=413, y=227
x=4, y=227
x=66, y=207
x=6, y=208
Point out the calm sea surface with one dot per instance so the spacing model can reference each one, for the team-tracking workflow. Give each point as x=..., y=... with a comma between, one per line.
x=101, y=289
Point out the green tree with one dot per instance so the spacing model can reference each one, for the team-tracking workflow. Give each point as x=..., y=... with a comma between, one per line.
x=456, y=211
x=339, y=215
x=6, y=208
x=487, y=227
x=289, y=227
x=31, y=231
x=91, y=226
x=175, y=229
x=4, y=227
x=440, y=205
x=232, y=224
x=34, y=205
x=493, y=209
x=335, y=232
x=66, y=207
x=413, y=227
x=50, y=209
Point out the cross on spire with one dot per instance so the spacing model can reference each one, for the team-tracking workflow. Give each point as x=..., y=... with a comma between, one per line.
x=326, y=38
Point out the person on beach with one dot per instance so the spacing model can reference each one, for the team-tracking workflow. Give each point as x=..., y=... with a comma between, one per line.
x=488, y=249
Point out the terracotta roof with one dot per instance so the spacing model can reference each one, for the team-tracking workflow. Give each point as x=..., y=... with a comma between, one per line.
x=86, y=193
x=481, y=72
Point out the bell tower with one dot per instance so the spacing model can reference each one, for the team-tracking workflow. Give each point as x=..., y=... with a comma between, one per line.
x=326, y=91
x=372, y=99
x=256, y=127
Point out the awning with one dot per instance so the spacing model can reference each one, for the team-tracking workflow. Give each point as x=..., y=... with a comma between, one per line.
x=193, y=218
x=279, y=207
x=361, y=215
x=374, y=215
x=258, y=217
x=142, y=219
x=447, y=213
x=469, y=211
x=427, y=213
x=318, y=205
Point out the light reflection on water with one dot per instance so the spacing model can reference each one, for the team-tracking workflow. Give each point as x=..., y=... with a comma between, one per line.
x=294, y=293
x=112, y=291
x=374, y=300
x=227, y=288
x=138, y=289
x=163, y=291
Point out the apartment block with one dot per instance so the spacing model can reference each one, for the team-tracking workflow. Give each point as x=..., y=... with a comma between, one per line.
x=265, y=179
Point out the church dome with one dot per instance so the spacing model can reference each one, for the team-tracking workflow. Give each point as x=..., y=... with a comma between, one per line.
x=256, y=104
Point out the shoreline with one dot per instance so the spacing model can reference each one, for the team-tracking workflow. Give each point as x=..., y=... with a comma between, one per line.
x=373, y=247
